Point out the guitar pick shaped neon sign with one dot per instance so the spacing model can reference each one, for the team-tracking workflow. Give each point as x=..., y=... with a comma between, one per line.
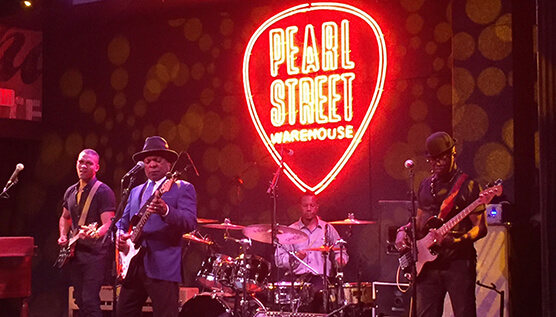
x=313, y=76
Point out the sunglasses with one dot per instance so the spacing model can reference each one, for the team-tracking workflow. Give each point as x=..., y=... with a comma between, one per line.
x=442, y=157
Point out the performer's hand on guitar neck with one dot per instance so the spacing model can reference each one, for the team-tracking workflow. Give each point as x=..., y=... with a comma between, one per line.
x=89, y=232
x=438, y=239
x=157, y=206
x=403, y=241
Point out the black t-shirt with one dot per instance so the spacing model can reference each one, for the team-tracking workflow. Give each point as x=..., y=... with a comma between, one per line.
x=430, y=204
x=104, y=200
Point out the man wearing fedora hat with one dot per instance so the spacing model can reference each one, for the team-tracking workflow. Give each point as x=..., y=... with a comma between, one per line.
x=443, y=195
x=158, y=272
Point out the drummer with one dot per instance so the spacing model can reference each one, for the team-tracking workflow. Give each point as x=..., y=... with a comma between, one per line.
x=315, y=228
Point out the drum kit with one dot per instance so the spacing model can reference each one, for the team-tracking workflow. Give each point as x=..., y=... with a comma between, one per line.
x=241, y=286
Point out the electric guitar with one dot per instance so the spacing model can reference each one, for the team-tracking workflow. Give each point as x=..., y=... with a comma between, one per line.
x=423, y=245
x=127, y=260
x=67, y=251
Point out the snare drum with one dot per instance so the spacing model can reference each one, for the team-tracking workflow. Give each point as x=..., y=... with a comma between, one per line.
x=351, y=293
x=206, y=305
x=216, y=271
x=253, y=270
x=284, y=294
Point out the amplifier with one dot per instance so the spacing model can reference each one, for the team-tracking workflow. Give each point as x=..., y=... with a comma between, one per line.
x=286, y=314
x=389, y=300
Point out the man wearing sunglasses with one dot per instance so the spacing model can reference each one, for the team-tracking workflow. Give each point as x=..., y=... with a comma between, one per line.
x=442, y=196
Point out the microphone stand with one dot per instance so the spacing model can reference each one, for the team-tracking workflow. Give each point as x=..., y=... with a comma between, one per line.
x=4, y=193
x=112, y=231
x=413, y=237
x=272, y=191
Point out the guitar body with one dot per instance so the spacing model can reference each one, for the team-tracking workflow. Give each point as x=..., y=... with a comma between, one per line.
x=424, y=253
x=128, y=261
x=67, y=251
x=423, y=245
x=64, y=255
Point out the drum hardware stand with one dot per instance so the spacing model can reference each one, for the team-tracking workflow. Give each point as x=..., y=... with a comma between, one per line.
x=244, y=245
x=340, y=276
x=294, y=304
x=272, y=192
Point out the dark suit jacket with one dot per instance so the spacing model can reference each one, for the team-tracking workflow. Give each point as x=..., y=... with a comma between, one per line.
x=162, y=236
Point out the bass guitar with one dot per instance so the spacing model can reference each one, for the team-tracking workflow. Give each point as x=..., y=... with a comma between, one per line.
x=423, y=245
x=67, y=251
x=127, y=260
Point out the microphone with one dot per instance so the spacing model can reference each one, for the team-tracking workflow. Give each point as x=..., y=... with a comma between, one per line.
x=192, y=164
x=13, y=179
x=139, y=166
x=408, y=164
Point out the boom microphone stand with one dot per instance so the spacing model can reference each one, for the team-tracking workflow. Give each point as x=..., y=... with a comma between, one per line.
x=413, y=236
x=112, y=231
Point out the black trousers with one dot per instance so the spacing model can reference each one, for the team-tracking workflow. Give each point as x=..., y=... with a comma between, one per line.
x=87, y=279
x=457, y=279
x=164, y=296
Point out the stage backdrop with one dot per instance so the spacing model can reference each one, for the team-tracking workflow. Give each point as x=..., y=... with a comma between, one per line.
x=115, y=74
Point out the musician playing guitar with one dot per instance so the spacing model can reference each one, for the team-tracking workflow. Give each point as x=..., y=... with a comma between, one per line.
x=157, y=269
x=444, y=195
x=85, y=203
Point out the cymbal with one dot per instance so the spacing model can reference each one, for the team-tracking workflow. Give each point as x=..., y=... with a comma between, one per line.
x=192, y=237
x=227, y=224
x=285, y=235
x=205, y=220
x=350, y=220
x=323, y=248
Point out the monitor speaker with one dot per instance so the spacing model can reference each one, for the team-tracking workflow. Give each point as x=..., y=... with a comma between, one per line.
x=391, y=299
x=392, y=215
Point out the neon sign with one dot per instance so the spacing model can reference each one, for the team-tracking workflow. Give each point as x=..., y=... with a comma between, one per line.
x=313, y=76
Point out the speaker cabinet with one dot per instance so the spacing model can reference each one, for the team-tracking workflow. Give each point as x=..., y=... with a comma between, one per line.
x=389, y=300
x=492, y=269
x=392, y=215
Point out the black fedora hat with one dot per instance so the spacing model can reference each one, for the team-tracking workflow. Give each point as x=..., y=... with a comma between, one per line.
x=156, y=145
x=438, y=143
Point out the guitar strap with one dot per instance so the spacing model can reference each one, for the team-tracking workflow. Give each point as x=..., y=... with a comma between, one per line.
x=449, y=202
x=85, y=211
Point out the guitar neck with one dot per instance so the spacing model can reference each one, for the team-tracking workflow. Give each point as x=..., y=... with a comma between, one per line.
x=446, y=227
x=138, y=229
x=73, y=239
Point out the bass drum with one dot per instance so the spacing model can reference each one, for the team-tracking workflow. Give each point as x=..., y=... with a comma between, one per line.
x=205, y=305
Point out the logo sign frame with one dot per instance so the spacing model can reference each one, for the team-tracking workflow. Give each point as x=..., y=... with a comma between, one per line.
x=274, y=33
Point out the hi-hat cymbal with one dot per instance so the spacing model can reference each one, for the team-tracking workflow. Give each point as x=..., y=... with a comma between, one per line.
x=323, y=248
x=192, y=237
x=350, y=220
x=205, y=220
x=285, y=235
x=227, y=225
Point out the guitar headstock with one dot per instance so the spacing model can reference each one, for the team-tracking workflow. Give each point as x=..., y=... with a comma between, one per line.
x=493, y=190
x=177, y=168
